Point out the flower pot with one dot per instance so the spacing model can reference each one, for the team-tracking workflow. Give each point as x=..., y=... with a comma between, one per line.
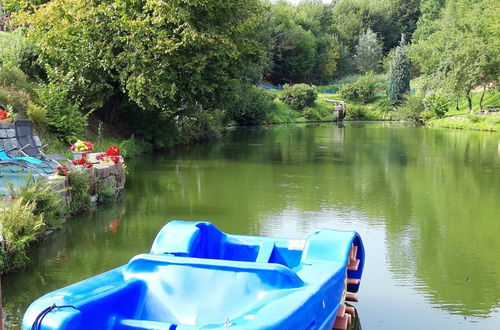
x=77, y=154
x=6, y=121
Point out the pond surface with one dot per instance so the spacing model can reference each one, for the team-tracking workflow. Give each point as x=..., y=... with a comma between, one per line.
x=425, y=201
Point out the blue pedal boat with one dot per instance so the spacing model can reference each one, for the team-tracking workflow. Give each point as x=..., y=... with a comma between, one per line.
x=198, y=277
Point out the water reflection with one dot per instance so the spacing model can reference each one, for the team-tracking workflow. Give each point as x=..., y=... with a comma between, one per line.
x=424, y=200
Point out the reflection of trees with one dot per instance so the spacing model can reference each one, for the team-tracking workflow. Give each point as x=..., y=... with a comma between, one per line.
x=437, y=190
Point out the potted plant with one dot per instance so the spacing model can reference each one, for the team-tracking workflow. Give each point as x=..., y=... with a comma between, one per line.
x=81, y=147
x=112, y=155
x=6, y=115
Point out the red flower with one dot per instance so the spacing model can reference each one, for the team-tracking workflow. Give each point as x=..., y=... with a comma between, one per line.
x=3, y=114
x=113, y=151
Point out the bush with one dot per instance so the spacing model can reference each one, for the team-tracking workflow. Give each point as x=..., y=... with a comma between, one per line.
x=311, y=114
x=356, y=112
x=437, y=104
x=133, y=147
x=475, y=118
x=15, y=89
x=251, y=106
x=20, y=227
x=64, y=117
x=299, y=96
x=365, y=87
x=37, y=114
x=46, y=201
x=362, y=90
x=79, y=187
x=106, y=193
x=411, y=109
x=349, y=92
x=200, y=126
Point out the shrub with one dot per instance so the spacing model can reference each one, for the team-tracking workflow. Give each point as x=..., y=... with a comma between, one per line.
x=133, y=147
x=20, y=227
x=46, y=201
x=365, y=87
x=311, y=114
x=15, y=89
x=251, y=106
x=299, y=96
x=437, y=104
x=475, y=118
x=106, y=193
x=349, y=92
x=64, y=117
x=37, y=114
x=356, y=112
x=362, y=90
x=411, y=109
x=79, y=187
x=200, y=126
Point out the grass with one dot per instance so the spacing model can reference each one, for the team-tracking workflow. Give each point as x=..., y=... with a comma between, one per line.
x=472, y=122
x=491, y=97
x=461, y=119
x=376, y=110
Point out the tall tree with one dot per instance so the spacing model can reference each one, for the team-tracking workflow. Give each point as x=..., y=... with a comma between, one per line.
x=430, y=13
x=368, y=52
x=399, y=74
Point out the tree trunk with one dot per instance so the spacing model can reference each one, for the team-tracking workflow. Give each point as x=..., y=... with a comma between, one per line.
x=456, y=105
x=469, y=102
x=481, y=99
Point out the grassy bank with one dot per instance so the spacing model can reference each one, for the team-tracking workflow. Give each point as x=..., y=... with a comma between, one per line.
x=462, y=119
x=322, y=110
x=473, y=122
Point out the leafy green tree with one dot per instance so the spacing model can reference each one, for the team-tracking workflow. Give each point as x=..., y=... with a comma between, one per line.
x=430, y=13
x=368, y=52
x=463, y=52
x=399, y=74
x=176, y=58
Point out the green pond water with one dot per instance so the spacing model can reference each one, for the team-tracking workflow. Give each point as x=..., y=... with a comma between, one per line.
x=425, y=201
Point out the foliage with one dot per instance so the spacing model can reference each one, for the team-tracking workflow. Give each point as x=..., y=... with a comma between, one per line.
x=37, y=114
x=356, y=112
x=14, y=89
x=160, y=60
x=106, y=193
x=473, y=122
x=411, y=109
x=299, y=96
x=437, y=104
x=362, y=90
x=251, y=106
x=427, y=23
x=368, y=52
x=79, y=188
x=311, y=114
x=461, y=50
x=64, y=116
x=399, y=74
x=20, y=227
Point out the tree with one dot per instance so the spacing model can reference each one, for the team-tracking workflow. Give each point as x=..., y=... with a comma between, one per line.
x=170, y=58
x=463, y=51
x=430, y=13
x=368, y=52
x=399, y=74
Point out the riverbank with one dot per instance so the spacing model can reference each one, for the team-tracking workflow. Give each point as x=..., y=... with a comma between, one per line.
x=37, y=208
x=481, y=122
